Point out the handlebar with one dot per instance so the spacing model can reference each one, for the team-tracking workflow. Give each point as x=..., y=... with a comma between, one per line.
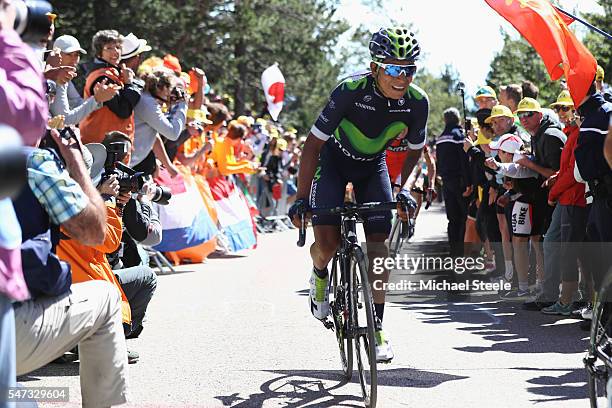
x=350, y=209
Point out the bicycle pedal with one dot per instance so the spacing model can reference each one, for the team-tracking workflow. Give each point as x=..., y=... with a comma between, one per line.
x=328, y=324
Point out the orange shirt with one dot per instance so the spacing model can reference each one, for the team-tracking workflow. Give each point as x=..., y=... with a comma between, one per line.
x=98, y=123
x=90, y=263
x=225, y=158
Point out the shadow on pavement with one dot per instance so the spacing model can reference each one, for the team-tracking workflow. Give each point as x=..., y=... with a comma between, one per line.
x=568, y=386
x=297, y=388
x=52, y=370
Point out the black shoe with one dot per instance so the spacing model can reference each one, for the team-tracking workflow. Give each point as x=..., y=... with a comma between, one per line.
x=585, y=325
x=132, y=357
x=537, y=304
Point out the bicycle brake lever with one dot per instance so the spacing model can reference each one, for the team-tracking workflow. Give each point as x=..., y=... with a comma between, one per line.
x=302, y=236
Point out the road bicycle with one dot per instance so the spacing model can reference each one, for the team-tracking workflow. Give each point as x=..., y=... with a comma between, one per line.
x=402, y=231
x=598, y=361
x=351, y=305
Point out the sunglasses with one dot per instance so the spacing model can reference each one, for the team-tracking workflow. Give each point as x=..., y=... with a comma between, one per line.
x=525, y=115
x=563, y=108
x=396, y=70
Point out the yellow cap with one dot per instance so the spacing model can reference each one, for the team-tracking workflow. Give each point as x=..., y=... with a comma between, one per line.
x=281, y=144
x=482, y=139
x=485, y=92
x=528, y=105
x=499, y=111
x=198, y=115
x=564, y=99
x=599, y=75
x=246, y=120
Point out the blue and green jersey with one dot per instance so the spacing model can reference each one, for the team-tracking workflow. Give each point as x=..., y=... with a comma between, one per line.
x=361, y=123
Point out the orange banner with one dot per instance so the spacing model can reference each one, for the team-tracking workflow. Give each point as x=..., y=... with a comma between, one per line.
x=541, y=24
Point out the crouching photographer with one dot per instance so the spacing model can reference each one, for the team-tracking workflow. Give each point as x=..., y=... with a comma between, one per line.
x=141, y=226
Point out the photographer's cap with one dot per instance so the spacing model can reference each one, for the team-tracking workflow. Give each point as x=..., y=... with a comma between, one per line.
x=68, y=44
x=508, y=143
x=133, y=46
x=95, y=161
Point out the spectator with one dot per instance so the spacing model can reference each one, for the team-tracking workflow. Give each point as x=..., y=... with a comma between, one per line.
x=151, y=121
x=24, y=105
x=593, y=168
x=117, y=113
x=223, y=152
x=511, y=95
x=452, y=165
x=132, y=49
x=527, y=215
x=568, y=194
x=485, y=97
x=70, y=51
x=56, y=196
x=530, y=90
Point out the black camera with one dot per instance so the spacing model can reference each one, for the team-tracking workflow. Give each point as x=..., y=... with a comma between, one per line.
x=177, y=94
x=32, y=21
x=128, y=178
x=13, y=174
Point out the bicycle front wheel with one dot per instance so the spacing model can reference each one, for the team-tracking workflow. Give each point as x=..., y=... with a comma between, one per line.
x=339, y=311
x=362, y=325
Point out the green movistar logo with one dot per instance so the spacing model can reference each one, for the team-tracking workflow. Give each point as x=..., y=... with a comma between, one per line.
x=364, y=144
x=317, y=174
x=354, y=85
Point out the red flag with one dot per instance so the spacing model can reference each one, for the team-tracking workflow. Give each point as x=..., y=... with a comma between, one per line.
x=566, y=19
x=540, y=24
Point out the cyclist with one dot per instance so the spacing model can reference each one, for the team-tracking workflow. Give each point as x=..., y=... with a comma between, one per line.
x=347, y=144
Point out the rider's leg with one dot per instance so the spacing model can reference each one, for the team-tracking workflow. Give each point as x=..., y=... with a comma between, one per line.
x=327, y=240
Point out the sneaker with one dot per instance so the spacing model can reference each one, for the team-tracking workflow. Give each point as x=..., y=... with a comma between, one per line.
x=319, y=296
x=558, y=309
x=587, y=312
x=537, y=303
x=516, y=294
x=384, y=352
x=132, y=357
x=490, y=265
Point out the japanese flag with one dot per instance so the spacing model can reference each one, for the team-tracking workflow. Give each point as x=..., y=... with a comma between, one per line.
x=273, y=83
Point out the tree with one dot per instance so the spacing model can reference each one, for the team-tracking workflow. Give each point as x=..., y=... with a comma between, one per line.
x=234, y=41
x=596, y=43
x=518, y=61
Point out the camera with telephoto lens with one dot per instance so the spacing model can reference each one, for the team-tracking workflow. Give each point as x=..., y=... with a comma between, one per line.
x=128, y=178
x=32, y=21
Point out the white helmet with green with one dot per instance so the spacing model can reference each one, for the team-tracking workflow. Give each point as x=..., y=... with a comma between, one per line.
x=397, y=43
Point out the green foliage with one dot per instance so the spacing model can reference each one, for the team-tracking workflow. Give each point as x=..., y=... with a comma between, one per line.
x=442, y=95
x=600, y=46
x=517, y=62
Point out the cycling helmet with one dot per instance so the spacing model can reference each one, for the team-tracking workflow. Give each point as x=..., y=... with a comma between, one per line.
x=396, y=42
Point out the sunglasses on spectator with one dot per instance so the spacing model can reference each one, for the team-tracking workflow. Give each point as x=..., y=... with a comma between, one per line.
x=525, y=115
x=563, y=108
x=396, y=70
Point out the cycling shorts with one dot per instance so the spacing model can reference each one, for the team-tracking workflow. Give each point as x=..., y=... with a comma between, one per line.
x=370, y=183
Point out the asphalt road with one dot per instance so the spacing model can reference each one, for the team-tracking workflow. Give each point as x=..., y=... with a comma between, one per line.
x=237, y=332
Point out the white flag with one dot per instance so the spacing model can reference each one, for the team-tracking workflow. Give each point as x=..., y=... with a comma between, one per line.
x=273, y=83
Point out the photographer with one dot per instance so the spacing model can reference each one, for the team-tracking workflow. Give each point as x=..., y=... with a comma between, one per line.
x=50, y=324
x=118, y=112
x=89, y=262
x=160, y=88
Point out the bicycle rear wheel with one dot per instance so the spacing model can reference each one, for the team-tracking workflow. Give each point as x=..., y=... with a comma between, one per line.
x=362, y=323
x=339, y=311
x=599, y=367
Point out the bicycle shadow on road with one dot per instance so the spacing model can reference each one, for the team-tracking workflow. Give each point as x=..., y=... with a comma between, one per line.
x=321, y=388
